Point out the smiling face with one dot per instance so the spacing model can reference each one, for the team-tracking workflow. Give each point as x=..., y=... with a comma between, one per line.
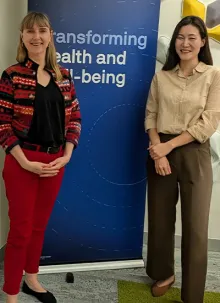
x=188, y=43
x=36, y=39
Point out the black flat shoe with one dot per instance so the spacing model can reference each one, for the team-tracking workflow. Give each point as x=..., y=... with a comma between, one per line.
x=44, y=297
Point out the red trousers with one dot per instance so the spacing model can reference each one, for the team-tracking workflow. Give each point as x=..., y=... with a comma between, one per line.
x=31, y=200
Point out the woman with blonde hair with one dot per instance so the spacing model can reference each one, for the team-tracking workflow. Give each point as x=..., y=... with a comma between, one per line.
x=40, y=127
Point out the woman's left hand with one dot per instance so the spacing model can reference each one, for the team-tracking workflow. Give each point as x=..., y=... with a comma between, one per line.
x=56, y=165
x=160, y=150
x=59, y=162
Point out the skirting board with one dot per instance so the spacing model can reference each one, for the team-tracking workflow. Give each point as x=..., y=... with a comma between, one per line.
x=52, y=269
x=213, y=244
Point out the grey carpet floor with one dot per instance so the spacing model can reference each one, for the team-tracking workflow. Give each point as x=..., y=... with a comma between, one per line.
x=101, y=286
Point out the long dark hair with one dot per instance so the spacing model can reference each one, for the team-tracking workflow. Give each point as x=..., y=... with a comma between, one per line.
x=204, y=55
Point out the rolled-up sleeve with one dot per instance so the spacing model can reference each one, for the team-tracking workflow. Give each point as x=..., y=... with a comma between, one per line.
x=152, y=106
x=208, y=123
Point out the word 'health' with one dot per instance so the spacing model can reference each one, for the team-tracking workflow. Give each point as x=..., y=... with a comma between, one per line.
x=83, y=57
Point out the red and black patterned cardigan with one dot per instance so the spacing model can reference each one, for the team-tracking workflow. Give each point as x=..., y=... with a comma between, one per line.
x=17, y=94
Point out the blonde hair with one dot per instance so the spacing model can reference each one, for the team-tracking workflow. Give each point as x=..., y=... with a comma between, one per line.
x=41, y=20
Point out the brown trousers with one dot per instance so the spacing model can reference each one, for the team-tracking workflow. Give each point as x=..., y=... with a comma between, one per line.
x=192, y=177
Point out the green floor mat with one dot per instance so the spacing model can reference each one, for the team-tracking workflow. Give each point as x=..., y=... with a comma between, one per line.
x=131, y=292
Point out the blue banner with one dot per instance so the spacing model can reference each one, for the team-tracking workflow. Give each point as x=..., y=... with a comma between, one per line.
x=110, y=48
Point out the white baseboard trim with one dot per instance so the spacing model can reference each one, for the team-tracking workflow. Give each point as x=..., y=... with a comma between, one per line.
x=51, y=269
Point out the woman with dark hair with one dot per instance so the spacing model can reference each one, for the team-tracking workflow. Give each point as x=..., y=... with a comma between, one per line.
x=182, y=113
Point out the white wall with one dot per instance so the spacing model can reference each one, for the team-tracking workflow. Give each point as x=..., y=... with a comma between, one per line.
x=167, y=24
x=11, y=14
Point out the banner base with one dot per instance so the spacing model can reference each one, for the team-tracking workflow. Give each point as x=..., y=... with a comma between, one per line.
x=52, y=269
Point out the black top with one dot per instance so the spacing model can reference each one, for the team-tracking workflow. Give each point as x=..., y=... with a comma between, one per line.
x=47, y=128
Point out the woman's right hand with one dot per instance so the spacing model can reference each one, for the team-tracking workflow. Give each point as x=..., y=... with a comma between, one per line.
x=162, y=166
x=43, y=169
